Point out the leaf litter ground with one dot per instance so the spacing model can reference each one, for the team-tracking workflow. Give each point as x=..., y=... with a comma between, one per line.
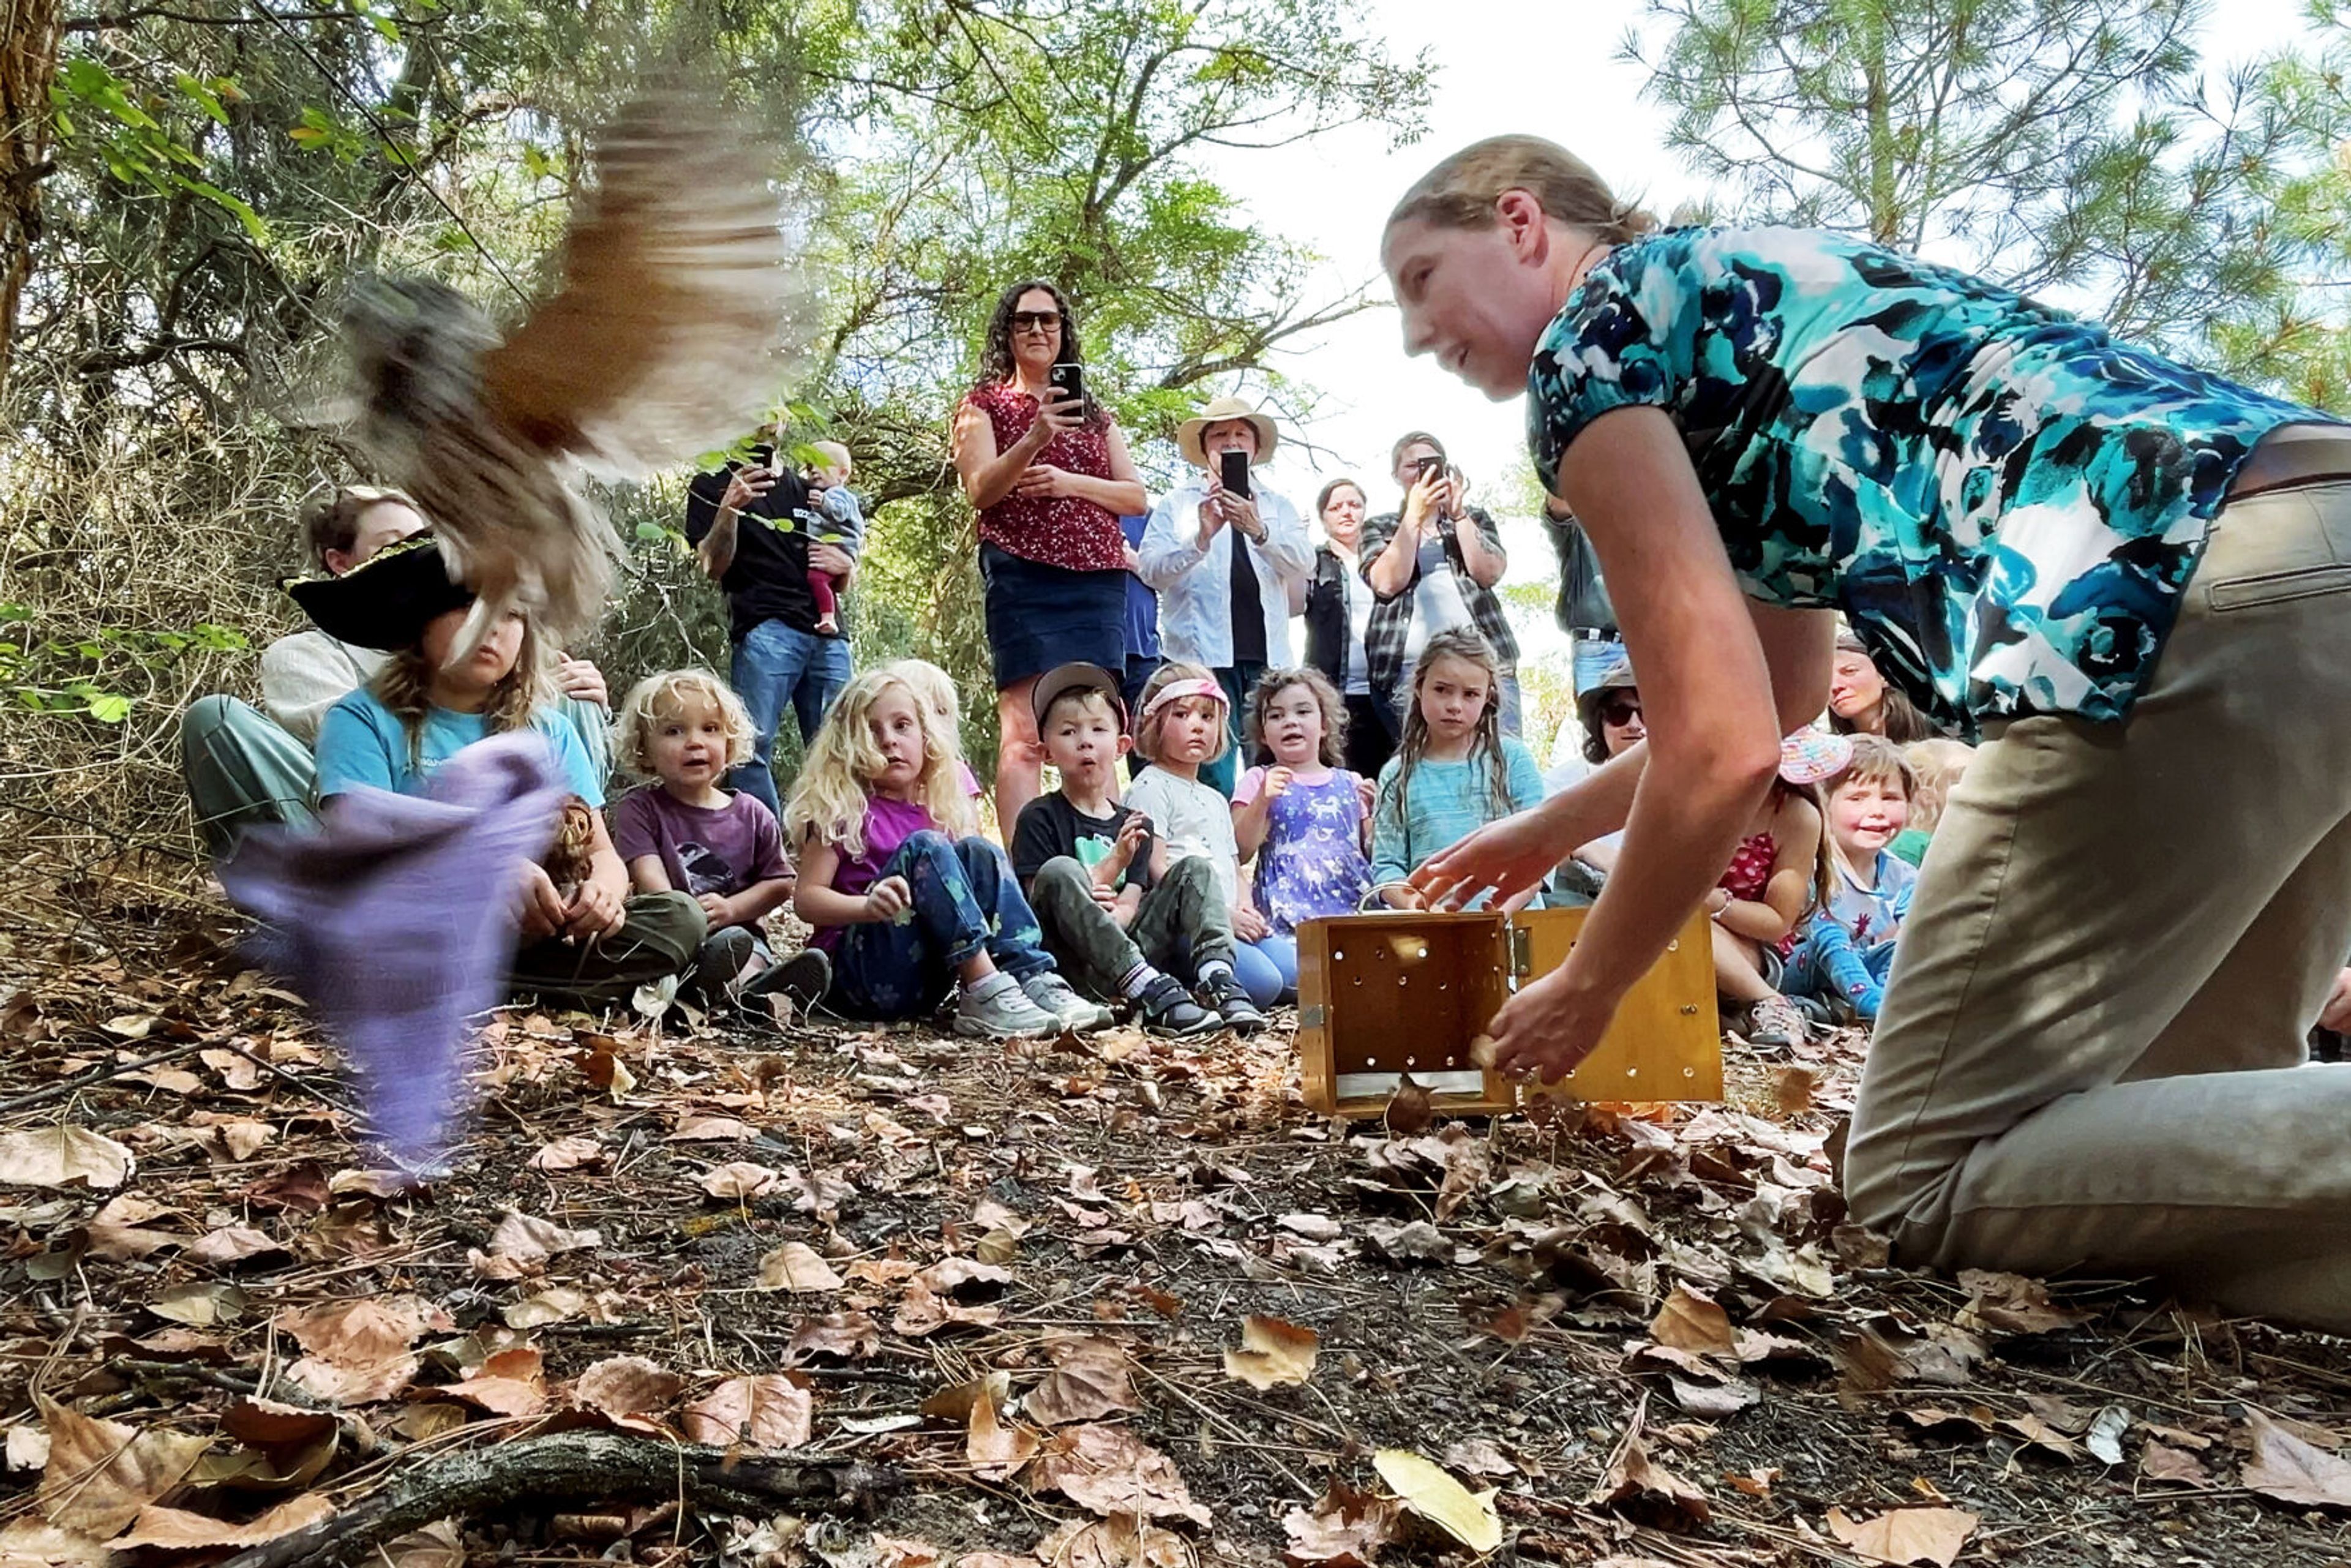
x=1112, y=1299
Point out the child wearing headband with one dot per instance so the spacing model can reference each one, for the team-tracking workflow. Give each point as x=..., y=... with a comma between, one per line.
x=1181, y=726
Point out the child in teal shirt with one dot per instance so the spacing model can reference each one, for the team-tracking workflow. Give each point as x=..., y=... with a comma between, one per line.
x=1455, y=771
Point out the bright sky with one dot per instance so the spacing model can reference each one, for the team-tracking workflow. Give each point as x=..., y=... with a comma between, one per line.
x=1506, y=66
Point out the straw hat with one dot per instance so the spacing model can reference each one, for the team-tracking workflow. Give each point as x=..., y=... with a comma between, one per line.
x=1219, y=412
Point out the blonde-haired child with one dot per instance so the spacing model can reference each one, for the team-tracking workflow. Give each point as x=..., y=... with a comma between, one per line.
x=685, y=729
x=908, y=900
x=844, y=524
x=937, y=690
x=1181, y=727
x=1937, y=764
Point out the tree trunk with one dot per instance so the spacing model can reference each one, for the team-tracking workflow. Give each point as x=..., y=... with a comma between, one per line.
x=28, y=63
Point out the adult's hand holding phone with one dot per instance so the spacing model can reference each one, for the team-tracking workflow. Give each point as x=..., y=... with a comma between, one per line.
x=1212, y=513
x=745, y=486
x=1424, y=500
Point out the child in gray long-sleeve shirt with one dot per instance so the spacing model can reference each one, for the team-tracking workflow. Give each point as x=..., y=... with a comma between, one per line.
x=844, y=524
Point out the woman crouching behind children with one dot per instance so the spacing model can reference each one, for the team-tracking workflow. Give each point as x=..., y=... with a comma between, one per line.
x=685, y=729
x=907, y=897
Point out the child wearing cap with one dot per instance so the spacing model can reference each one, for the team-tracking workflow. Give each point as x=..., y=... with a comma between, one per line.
x=1776, y=874
x=1115, y=914
x=1183, y=726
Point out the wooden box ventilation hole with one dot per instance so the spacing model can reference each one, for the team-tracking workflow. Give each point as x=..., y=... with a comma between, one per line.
x=1381, y=994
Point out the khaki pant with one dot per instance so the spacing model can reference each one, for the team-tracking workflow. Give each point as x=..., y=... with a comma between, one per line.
x=2092, y=1052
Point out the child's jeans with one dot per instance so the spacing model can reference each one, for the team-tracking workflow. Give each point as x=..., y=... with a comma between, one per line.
x=966, y=901
x=1828, y=967
x=1181, y=924
x=1280, y=950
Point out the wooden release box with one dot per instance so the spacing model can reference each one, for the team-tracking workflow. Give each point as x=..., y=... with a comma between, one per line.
x=1383, y=993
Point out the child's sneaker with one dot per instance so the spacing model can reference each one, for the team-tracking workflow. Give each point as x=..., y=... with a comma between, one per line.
x=721, y=959
x=1052, y=995
x=1167, y=1009
x=1223, y=992
x=1775, y=1020
x=804, y=976
x=997, y=1009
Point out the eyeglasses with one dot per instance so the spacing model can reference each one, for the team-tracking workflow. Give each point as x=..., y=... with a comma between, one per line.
x=1035, y=321
x=1620, y=711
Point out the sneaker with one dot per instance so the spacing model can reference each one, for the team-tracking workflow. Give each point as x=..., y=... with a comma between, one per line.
x=721, y=959
x=1002, y=1012
x=1775, y=1020
x=804, y=977
x=1053, y=995
x=1222, y=992
x=1167, y=1009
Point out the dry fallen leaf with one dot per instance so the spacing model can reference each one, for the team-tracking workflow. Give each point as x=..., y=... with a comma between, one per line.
x=101, y=1473
x=29, y=1542
x=511, y=1383
x=765, y=1412
x=740, y=1179
x=555, y=1305
x=358, y=1350
x=568, y=1153
x=176, y=1530
x=64, y=1156
x=434, y=1546
x=997, y=1452
x=233, y=1244
x=1091, y=1378
x=2286, y=1468
x=1425, y=1489
x=713, y=1130
x=1792, y=1089
x=1907, y=1535
x=527, y=1240
x=1639, y=1488
x=1121, y=1541
x=1346, y=1529
x=2161, y=1462
x=628, y=1390
x=796, y=1266
x=1112, y=1471
x=845, y=1336
x=1693, y=1323
x=922, y=1312
x=1272, y=1353
x=2010, y=1303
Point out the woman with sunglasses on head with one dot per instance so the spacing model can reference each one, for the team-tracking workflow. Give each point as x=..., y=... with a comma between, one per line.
x=2127, y=573
x=1048, y=472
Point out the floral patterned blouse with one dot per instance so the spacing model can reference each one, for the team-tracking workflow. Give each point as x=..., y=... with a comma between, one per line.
x=2006, y=503
x=1058, y=530
x=1312, y=862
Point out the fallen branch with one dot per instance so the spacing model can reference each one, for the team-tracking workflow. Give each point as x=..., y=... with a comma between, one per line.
x=58, y=1090
x=572, y=1467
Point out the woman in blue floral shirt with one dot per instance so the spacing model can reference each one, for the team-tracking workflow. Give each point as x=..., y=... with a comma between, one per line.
x=2130, y=576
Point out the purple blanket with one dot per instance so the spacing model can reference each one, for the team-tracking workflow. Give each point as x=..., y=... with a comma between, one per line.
x=396, y=919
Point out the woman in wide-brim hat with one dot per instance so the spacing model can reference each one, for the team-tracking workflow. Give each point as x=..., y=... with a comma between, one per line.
x=1223, y=410
x=591, y=942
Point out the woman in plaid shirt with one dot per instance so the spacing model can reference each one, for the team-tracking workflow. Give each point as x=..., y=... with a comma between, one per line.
x=1430, y=574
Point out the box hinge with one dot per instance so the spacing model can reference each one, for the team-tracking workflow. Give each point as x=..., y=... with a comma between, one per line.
x=1522, y=955
x=1314, y=1017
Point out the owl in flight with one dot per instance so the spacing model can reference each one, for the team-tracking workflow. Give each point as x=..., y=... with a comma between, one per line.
x=661, y=340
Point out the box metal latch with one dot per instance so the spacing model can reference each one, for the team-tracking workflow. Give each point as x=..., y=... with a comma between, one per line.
x=1522, y=957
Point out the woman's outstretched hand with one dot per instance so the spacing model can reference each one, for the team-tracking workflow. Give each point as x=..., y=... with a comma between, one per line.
x=1510, y=857
x=1546, y=1031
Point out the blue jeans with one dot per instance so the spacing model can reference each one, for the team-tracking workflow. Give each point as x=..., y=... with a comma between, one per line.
x=775, y=664
x=966, y=900
x=1594, y=658
x=1280, y=951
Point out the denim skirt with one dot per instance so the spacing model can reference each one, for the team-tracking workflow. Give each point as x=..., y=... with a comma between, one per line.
x=1040, y=617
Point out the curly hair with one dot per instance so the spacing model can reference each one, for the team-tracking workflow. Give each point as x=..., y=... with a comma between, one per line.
x=997, y=363
x=1273, y=682
x=665, y=696
x=404, y=685
x=829, y=800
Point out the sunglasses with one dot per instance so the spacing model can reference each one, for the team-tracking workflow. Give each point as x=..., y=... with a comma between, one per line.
x=1619, y=711
x=1035, y=321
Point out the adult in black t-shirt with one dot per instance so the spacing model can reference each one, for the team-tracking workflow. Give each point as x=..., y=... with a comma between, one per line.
x=750, y=529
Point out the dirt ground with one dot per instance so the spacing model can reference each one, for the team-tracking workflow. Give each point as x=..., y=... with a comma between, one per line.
x=1112, y=1299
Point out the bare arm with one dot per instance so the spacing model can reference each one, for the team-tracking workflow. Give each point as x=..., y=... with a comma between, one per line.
x=1120, y=494
x=716, y=550
x=815, y=900
x=1483, y=558
x=761, y=899
x=1391, y=571
x=988, y=474
x=647, y=874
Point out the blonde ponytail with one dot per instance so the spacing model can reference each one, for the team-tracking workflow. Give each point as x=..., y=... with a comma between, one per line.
x=1460, y=192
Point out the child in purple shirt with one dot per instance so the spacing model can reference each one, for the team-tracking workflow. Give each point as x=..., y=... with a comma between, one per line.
x=683, y=832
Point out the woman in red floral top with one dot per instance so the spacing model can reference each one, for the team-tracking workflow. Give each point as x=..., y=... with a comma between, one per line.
x=1050, y=480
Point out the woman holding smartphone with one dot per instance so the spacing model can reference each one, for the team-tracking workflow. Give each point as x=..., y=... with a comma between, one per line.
x=1432, y=564
x=1048, y=470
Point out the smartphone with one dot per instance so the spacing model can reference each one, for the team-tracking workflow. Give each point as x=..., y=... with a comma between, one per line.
x=1068, y=379
x=1235, y=468
x=1429, y=466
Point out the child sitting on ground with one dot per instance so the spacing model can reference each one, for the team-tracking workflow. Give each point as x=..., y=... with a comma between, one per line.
x=1936, y=766
x=1846, y=948
x=1306, y=820
x=1775, y=876
x=685, y=729
x=844, y=524
x=1183, y=726
x=591, y=944
x=1116, y=912
x=937, y=690
x=1454, y=770
x=907, y=899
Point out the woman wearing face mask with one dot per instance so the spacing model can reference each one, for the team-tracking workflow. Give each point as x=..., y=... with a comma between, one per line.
x=2127, y=572
x=1338, y=615
x=1433, y=564
x=1050, y=477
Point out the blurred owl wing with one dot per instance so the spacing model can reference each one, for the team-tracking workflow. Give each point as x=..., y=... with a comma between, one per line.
x=663, y=339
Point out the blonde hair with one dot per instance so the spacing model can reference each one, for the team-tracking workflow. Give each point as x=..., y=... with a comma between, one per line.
x=1938, y=764
x=1146, y=730
x=404, y=685
x=828, y=799
x=1273, y=682
x=1461, y=192
x=836, y=453
x=934, y=687
x=665, y=696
